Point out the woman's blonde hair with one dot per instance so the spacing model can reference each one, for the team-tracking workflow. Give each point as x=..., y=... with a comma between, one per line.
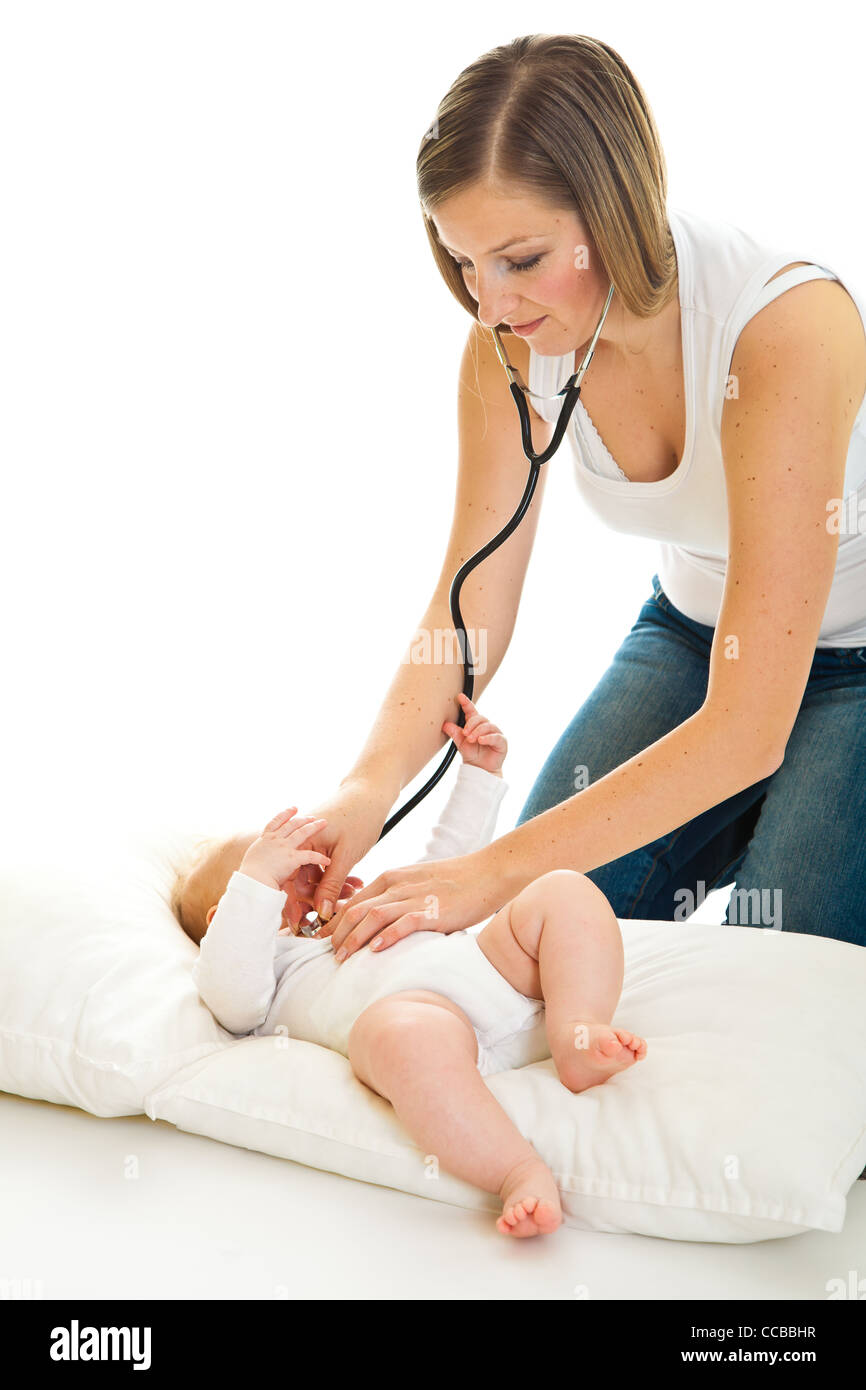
x=562, y=117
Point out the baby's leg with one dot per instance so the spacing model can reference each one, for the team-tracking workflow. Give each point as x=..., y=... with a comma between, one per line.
x=419, y=1050
x=559, y=940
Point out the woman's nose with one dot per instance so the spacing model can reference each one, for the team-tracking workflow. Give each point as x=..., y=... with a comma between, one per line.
x=494, y=302
x=492, y=312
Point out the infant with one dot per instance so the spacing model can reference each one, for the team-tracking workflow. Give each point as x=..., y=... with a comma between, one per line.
x=423, y=1021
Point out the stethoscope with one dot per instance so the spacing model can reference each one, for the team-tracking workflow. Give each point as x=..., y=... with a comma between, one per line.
x=519, y=390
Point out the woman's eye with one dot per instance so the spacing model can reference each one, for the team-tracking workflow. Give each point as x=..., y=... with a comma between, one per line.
x=515, y=265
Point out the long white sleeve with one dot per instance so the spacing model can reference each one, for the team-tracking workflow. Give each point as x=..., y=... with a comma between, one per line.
x=234, y=973
x=468, y=817
x=237, y=969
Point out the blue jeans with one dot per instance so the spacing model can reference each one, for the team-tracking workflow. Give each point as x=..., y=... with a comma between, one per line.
x=793, y=844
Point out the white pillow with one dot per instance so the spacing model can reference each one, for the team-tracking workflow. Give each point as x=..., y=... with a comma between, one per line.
x=96, y=1004
x=746, y=1120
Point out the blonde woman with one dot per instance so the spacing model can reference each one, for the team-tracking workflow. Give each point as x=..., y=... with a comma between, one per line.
x=723, y=416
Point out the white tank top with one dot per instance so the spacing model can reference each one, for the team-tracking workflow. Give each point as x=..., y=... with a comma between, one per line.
x=722, y=273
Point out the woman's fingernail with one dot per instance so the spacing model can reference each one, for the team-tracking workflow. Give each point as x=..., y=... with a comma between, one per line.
x=341, y=954
x=326, y=909
x=374, y=945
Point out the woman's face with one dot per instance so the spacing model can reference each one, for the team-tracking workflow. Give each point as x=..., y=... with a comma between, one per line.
x=523, y=260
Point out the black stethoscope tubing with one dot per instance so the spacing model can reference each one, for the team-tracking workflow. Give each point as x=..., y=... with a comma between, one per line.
x=570, y=393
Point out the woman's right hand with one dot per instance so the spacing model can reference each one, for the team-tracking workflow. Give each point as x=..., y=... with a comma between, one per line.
x=355, y=815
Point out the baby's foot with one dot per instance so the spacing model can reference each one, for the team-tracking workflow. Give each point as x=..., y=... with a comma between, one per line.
x=530, y=1201
x=598, y=1051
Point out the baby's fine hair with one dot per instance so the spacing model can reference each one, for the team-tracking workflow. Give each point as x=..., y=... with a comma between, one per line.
x=190, y=913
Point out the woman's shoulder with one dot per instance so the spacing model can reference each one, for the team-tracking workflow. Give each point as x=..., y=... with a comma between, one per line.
x=799, y=313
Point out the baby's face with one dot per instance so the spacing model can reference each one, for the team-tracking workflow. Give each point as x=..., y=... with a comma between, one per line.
x=226, y=859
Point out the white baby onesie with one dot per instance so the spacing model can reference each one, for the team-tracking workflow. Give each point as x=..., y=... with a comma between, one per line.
x=258, y=979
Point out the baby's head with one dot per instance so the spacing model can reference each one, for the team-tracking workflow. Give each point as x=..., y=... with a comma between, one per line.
x=198, y=888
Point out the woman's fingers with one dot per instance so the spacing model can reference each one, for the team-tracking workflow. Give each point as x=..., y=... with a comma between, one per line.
x=305, y=885
x=348, y=889
x=380, y=893
x=339, y=923
x=415, y=920
x=328, y=889
x=373, y=922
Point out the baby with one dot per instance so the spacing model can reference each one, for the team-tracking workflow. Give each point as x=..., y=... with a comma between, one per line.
x=423, y=1021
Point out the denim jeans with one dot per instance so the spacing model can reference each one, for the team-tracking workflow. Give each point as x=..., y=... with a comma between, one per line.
x=793, y=844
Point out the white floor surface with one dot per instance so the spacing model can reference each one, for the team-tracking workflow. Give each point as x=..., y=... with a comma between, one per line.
x=128, y=1208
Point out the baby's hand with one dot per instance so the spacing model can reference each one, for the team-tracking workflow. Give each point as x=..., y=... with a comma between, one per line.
x=279, y=851
x=479, y=742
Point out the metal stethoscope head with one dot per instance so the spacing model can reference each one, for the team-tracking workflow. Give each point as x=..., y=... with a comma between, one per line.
x=570, y=392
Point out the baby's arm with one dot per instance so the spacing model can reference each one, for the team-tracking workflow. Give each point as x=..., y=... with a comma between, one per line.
x=468, y=818
x=234, y=973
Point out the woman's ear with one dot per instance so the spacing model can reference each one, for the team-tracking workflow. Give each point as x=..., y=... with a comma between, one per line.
x=209, y=915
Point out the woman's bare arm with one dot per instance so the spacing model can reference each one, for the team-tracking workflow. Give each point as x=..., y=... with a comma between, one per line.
x=492, y=473
x=785, y=441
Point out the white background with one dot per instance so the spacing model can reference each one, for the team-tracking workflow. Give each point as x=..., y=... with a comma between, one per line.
x=229, y=368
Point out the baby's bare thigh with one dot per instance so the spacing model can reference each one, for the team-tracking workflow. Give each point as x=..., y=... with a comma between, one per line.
x=380, y=1029
x=504, y=951
x=385, y=1009
x=512, y=939
x=428, y=996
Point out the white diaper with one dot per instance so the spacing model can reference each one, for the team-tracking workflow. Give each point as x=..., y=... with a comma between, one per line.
x=517, y=1049
x=509, y=1026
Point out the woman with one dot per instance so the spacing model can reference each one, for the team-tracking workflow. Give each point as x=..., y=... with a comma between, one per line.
x=722, y=415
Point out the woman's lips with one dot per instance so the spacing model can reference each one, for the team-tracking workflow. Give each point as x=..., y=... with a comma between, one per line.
x=524, y=329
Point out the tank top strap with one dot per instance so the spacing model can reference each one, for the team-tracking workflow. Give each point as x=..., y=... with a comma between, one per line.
x=797, y=276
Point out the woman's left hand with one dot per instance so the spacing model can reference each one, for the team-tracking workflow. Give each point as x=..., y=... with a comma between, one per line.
x=443, y=895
